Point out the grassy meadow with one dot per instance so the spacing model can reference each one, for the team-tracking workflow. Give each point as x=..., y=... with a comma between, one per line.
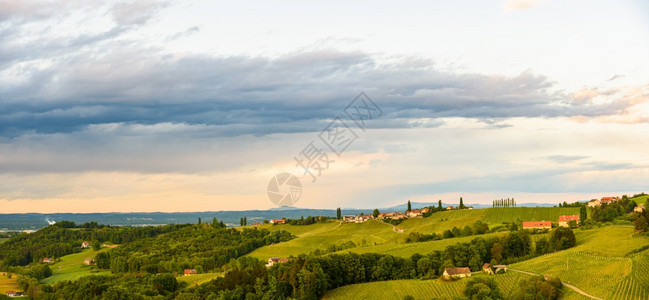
x=198, y=279
x=71, y=267
x=379, y=237
x=8, y=284
x=419, y=289
x=598, y=264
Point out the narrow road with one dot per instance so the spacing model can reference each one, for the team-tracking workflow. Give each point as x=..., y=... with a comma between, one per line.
x=394, y=228
x=570, y=286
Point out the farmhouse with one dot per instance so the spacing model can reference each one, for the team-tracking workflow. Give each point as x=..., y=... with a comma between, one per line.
x=15, y=294
x=537, y=225
x=456, y=273
x=357, y=219
x=189, y=272
x=593, y=203
x=276, y=260
x=48, y=260
x=277, y=221
x=498, y=268
x=85, y=245
x=487, y=269
x=563, y=220
x=89, y=261
x=416, y=213
x=638, y=209
x=609, y=199
x=449, y=207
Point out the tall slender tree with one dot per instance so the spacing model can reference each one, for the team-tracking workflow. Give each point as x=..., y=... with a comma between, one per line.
x=409, y=206
x=338, y=213
x=461, y=204
x=439, y=204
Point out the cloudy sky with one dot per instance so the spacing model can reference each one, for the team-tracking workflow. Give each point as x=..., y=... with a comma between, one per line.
x=196, y=105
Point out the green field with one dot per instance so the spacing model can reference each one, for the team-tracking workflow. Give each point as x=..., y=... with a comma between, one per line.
x=71, y=267
x=198, y=279
x=379, y=237
x=598, y=264
x=7, y=284
x=406, y=250
x=2, y=240
x=420, y=289
x=320, y=236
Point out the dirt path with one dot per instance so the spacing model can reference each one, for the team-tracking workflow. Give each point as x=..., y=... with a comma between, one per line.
x=394, y=228
x=570, y=286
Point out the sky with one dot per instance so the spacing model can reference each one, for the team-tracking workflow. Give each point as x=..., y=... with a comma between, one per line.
x=136, y=106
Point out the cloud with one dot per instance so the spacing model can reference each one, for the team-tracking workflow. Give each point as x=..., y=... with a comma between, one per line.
x=262, y=95
x=512, y=5
x=565, y=158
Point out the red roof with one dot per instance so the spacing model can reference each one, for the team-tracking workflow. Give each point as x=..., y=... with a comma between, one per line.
x=608, y=199
x=568, y=218
x=190, y=271
x=537, y=224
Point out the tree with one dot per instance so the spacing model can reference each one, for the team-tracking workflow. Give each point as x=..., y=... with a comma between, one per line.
x=583, y=214
x=409, y=206
x=482, y=288
x=538, y=288
x=641, y=224
x=467, y=231
x=96, y=245
x=562, y=238
x=338, y=213
x=199, y=220
x=497, y=252
x=462, y=204
x=376, y=213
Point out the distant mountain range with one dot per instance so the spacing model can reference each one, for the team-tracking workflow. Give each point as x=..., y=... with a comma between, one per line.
x=33, y=221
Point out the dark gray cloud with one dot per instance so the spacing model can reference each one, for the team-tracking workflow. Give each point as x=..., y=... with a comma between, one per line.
x=264, y=94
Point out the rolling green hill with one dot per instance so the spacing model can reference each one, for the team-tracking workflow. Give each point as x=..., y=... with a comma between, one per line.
x=598, y=264
x=71, y=267
x=377, y=236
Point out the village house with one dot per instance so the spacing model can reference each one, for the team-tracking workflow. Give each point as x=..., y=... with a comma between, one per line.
x=85, y=245
x=189, y=272
x=498, y=268
x=638, y=209
x=456, y=273
x=15, y=294
x=357, y=219
x=593, y=203
x=450, y=207
x=48, y=260
x=416, y=213
x=564, y=220
x=256, y=224
x=537, y=225
x=277, y=221
x=609, y=199
x=89, y=261
x=276, y=260
x=487, y=269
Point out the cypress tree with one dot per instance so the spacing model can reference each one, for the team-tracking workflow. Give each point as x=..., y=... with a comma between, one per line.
x=409, y=206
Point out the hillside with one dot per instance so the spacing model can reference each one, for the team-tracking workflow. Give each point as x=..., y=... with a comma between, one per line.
x=599, y=265
x=379, y=237
x=71, y=267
